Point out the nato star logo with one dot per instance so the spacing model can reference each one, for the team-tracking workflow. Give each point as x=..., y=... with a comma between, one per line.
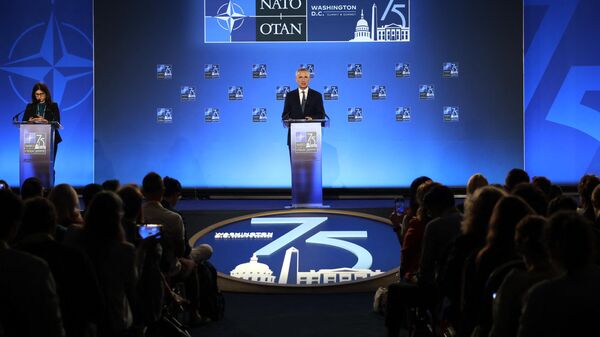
x=53, y=61
x=230, y=16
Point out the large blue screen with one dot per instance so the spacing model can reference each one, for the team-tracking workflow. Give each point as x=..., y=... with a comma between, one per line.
x=135, y=38
x=562, y=88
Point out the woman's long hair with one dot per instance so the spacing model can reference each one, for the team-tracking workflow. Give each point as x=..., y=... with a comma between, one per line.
x=478, y=211
x=103, y=219
x=501, y=234
x=66, y=202
x=41, y=86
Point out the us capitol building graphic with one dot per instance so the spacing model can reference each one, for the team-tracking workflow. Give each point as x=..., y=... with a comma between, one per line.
x=260, y=272
x=385, y=33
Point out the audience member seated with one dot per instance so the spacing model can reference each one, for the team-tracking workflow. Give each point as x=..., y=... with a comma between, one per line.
x=132, y=212
x=545, y=185
x=439, y=203
x=77, y=287
x=111, y=185
x=169, y=201
x=475, y=182
x=474, y=228
x=28, y=301
x=561, y=203
x=32, y=187
x=113, y=258
x=178, y=267
x=529, y=243
x=515, y=177
x=173, y=230
x=66, y=203
x=439, y=232
x=88, y=193
x=411, y=247
x=499, y=249
x=400, y=220
x=568, y=305
x=533, y=196
x=585, y=188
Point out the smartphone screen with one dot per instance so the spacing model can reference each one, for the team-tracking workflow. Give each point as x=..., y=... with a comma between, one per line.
x=148, y=230
x=399, y=205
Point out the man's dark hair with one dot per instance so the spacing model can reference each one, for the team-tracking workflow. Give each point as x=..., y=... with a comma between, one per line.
x=529, y=237
x=570, y=240
x=544, y=184
x=533, y=196
x=515, y=177
x=439, y=198
x=152, y=185
x=88, y=193
x=172, y=186
x=32, y=187
x=561, y=203
x=39, y=216
x=11, y=211
x=111, y=185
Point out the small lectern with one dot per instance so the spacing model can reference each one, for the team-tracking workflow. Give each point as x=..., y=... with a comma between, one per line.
x=36, y=151
x=305, y=148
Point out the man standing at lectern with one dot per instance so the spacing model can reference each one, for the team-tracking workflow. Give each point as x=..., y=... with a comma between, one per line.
x=303, y=103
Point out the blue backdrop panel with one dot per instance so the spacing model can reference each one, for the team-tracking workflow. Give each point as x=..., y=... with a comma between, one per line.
x=49, y=41
x=562, y=88
x=133, y=37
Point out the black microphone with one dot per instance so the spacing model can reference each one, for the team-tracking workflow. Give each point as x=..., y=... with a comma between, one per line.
x=16, y=117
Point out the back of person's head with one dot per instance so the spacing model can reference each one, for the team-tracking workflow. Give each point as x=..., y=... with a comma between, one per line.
x=66, y=202
x=586, y=186
x=414, y=186
x=533, y=196
x=478, y=210
x=111, y=185
x=32, y=187
x=596, y=199
x=88, y=193
x=103, y=218
x=132, y=202
x=476, y=181
x=515, y=177
x=570, y=240
x=555, y=191
x=4, y=185
x=172, y=187
x=544, y=184
x=152, y=186
x=506, y=214
x=201, y=253
x=39, y=216
x=438, y=199
x=561, y=203
x=529, y=238
x=11, y=211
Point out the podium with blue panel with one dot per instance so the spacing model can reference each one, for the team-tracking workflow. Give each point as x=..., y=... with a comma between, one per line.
x=36, y=151
x=306, y=161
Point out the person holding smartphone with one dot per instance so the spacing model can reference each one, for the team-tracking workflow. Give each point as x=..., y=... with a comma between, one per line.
x=43, y=110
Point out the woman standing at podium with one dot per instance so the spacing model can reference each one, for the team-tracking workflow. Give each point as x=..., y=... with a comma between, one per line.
x=43, y=110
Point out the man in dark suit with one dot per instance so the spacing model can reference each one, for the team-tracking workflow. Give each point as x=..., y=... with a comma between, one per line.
x=303, y=103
